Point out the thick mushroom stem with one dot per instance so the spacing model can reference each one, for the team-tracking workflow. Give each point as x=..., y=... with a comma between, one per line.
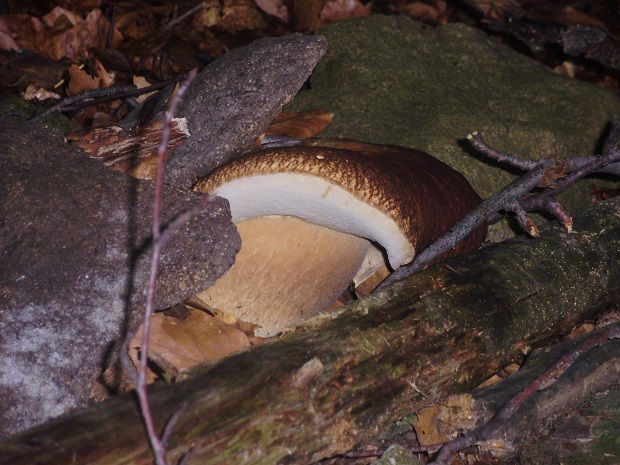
x=287, y=271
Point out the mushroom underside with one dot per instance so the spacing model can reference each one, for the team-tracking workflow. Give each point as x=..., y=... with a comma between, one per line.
x=287, y=271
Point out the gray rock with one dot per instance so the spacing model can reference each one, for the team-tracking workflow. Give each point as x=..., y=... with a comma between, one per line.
x=74, y=260
x=236, y=97
x=394, y=80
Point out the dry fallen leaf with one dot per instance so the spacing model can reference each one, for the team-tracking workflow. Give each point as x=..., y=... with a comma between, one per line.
x=34, y=92
x=305, y=15
x=80, y=81
x=230, y=16
x=276, y=8
x=184, y=342
x=60, y=18
x=105, y=80
x=300, y=125
x=599, y=193
x=423, y=12
x=61, y=34
x=6, y=41
x=140, y=21
x=442, y=422
x=335, y=10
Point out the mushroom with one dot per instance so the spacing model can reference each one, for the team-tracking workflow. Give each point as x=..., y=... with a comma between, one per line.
x=316, y=216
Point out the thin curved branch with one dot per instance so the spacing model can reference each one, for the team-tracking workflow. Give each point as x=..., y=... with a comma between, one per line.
x=552, y=176
x=96, y=96
x=478, y=216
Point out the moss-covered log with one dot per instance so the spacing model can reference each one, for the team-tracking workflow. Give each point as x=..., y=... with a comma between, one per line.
x=333, y=382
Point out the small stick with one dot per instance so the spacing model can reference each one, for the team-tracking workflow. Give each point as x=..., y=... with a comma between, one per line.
x=176, y=21
x=478, y=216
x=159, y=239
x=476, y=140
x=108, y=42
x=554, y=175
x=96, y=96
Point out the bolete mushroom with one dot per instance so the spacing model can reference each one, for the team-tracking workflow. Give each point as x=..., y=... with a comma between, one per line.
x=312, y=217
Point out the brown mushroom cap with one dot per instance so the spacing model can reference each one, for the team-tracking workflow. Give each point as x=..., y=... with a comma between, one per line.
x=400, y=198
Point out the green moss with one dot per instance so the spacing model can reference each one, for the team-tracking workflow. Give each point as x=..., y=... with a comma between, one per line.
x=606, y=409
x=394, y=80
x=12, y=103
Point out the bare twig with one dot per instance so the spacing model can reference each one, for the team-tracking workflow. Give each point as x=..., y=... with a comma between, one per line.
x=586, y=166
x=176, y=21
x=172, y=421
x=475, y=139
x=502, y=201
x=108, y=42
x=552, y=176
x=159, y=239
x=96, y=96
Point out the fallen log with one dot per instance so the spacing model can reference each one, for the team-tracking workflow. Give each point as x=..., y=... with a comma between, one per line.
x=339, y=378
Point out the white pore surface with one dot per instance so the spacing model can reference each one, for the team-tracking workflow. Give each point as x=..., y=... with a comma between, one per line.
x=315, y=200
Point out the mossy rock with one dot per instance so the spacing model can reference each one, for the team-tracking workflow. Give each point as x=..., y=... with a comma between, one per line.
x=14, y=108
x=394, y=80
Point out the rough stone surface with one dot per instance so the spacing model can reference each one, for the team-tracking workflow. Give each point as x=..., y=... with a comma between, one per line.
x=75, y=257
x=393, y=80
x=235, y=98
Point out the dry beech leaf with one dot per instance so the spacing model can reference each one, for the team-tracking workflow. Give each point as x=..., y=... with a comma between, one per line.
x=6, y=41
x=305, y=15
x=424, y=12
x=425, y=426
x=441, y=422
x=24, y=31
x=80, y=81
x=34, y=92
x=230, y=16
x=241, y=16
x=60, y=19
x=599, y=193
x=183, y=343
x=579, y=330
x=61, y=34
x=569, y=16
x=335, y=10
x=275, y=8
x=300, y=125
x=143, y=21
x=76, y=42
x=494, y=7
x=489, y=382
x=105, y=80
x=509, y=370
x=140, y=82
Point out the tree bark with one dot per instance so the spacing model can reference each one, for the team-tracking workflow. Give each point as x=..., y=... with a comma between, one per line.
x=578, y=411
x=586, y=432
x=339, y=379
